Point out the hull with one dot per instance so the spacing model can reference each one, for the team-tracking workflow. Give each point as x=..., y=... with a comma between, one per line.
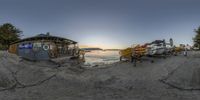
x=156, y=51
x=160, y=51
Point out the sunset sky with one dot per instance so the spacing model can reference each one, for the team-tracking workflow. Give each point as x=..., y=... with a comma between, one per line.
x=105, y=23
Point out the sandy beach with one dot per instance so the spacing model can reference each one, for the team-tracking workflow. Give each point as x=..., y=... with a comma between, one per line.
x=25, y=80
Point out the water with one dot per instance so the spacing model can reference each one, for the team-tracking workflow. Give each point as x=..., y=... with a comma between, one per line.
x=99, y=57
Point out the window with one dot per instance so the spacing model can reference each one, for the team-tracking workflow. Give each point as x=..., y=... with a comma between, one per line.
x=37, y=46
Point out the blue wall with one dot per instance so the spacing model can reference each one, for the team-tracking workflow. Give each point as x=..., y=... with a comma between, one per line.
x=25, y=50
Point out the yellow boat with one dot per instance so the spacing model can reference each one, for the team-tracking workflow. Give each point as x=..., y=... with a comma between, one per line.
x=131, y=53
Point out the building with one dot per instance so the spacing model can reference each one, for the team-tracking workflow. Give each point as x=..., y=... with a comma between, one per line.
x=44, y=47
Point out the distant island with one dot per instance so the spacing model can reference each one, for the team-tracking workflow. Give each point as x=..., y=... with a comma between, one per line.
x=89, y=49
x=112, y=49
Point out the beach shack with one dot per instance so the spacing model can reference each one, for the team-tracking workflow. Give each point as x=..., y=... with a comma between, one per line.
x=44, y=47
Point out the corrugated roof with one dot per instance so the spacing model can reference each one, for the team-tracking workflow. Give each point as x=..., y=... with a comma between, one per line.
x=46, y=37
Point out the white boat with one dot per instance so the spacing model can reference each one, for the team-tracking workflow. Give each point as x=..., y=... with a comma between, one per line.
x=159, y=47
x=154, y=49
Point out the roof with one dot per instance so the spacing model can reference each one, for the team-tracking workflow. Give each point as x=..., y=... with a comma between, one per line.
x=46, y=37
x=158, y=41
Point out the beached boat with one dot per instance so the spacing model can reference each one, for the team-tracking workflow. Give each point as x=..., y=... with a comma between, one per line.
x=156, y=49
x=159, y=47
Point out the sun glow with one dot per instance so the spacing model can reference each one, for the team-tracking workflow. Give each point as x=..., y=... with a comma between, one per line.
x=104, y=41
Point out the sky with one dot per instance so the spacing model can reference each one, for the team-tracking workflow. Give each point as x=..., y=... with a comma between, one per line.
x=105, y=23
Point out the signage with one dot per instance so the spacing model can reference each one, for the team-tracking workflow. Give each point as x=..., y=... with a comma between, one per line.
x=26, y=46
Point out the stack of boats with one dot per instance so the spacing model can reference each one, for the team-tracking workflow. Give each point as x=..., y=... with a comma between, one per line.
x=155, y=48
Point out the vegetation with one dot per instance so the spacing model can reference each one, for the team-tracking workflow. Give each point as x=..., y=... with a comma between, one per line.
x=196, y=39
x=8, y=34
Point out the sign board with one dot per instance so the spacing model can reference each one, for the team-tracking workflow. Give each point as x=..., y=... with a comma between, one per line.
x=26, y=46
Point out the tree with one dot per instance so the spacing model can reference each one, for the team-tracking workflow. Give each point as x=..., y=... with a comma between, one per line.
x=196, y=39
x=8, y=34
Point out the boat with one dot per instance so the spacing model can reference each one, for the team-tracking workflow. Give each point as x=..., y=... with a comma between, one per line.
x=157, y=47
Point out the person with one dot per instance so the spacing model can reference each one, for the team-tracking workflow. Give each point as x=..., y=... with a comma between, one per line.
x=185, y=51
x=82, y=54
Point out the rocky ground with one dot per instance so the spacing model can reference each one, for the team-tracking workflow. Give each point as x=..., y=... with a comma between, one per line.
x=161, y=80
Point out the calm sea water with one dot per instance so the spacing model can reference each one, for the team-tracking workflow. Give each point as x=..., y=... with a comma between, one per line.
x=99, y=57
